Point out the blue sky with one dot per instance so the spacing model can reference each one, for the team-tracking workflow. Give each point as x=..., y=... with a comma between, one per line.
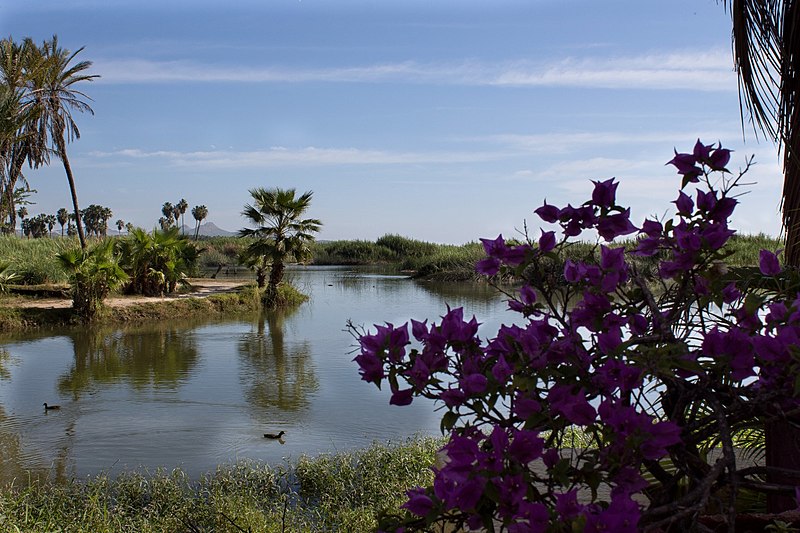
x=443, y=120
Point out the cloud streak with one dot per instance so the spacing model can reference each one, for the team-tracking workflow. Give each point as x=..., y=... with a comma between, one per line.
x=708, y=71
x=309, y=156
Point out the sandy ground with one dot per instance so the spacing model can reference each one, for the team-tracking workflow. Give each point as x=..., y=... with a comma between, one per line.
x=201, y=288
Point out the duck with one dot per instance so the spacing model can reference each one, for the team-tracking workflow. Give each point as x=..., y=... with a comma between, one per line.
x=274, y=436
x=51, y=407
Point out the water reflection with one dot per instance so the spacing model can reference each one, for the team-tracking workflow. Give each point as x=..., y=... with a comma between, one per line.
x=276, y=373
x=159, y=357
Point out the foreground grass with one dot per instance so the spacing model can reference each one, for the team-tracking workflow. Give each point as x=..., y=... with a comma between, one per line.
x=339, y=492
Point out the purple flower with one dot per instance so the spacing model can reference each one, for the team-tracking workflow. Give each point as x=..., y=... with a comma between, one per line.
x=567, y=505
x=652, y=228
x=571, y=271
x=494, y=247
x=370, y=366
x=526, y=446
x=419, y=329
x=604, y=193
x=768, y=263
x=684, y=203
x=701, y=151
x=723, y=210
x=612, y=226
x=572, y=406
x=488, y=267
x=502, y=370
x=612, y=258
x=418, y=502
x=716, y=235
x=525, y=407
x=719, y=158
x=730, y=293
x=647, y=247
x=527, y=294
x=547, y=241
x=402, y=397
x=473, y=384
x=685, y=163
x=548, y=213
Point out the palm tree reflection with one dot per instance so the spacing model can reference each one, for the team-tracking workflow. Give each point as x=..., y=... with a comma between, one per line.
x=152, y=357
x=276, y=374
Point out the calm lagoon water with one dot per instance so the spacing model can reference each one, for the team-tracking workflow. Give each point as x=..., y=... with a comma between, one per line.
x=202, y=393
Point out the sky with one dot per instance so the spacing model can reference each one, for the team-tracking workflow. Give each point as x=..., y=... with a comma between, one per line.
x=440, y=120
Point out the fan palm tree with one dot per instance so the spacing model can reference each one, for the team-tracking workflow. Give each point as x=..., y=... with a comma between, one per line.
x=167, y=210
x=62, y=216
x=766, y=41
x=55, y=98
x=181, y=207
x=199, y=212
x=280, y=234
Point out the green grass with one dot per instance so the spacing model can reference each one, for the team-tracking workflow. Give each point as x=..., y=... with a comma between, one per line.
x=34, y=259
x=338, y=492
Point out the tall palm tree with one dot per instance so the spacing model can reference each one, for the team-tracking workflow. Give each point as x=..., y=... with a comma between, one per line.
x=280, y=234
x=167, y=210
x=766, y=45
x=62, y=216
x=56, y=98
x=199, y=212
x=181, y=206
x=18, y=63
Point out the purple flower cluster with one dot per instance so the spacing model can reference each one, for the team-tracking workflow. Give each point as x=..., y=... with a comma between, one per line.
x=640, y=373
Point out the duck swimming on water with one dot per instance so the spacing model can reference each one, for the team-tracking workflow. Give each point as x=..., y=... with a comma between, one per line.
x=51, y=407
x=274, y=436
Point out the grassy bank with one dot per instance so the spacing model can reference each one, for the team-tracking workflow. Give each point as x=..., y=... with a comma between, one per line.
x=243, y=300
x=339, y=492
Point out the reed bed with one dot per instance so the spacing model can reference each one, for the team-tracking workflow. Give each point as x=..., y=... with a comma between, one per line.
x=34, y=259
x=337, y=492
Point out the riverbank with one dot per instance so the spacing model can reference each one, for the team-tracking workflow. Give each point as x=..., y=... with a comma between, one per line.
x=204, y=297
x=332, y=492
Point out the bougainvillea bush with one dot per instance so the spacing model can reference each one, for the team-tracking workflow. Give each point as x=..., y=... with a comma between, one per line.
x=651, y=371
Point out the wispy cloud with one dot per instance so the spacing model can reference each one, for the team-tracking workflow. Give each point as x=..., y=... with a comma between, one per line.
x=708, y=71
x=309, y=156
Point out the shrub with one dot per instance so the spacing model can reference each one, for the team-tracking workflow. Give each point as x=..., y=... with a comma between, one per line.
x=651, y=373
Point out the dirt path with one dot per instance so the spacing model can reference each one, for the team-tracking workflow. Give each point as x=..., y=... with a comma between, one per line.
x=202, y=287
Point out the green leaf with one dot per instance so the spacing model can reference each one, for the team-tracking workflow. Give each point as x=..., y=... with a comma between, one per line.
x=448, y=421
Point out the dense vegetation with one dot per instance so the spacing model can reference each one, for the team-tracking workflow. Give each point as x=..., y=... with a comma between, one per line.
x=338, y=492
x=34, y=260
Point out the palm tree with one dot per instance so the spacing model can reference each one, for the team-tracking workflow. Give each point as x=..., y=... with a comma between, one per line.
x=167, y=210
x=120, y=224
x=199, y=212
x=62, y=216
x=21, y=140
x=280, y=233
x=55, y=99
x=766, y=45
x=766, y=40
x=181, y=206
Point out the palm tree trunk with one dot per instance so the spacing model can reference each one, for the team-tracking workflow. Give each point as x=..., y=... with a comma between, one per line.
x=68, y=169
x=275, y=277
x=16, y=172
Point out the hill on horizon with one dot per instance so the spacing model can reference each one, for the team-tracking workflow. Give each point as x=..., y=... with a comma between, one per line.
x=209, y=229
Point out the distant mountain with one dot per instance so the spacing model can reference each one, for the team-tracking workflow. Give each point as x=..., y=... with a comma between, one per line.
x=209, y=229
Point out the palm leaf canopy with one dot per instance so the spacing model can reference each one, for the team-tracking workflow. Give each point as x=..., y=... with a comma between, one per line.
x=766, y=47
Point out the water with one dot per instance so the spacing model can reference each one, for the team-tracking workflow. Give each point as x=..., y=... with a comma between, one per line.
x=202, y=393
